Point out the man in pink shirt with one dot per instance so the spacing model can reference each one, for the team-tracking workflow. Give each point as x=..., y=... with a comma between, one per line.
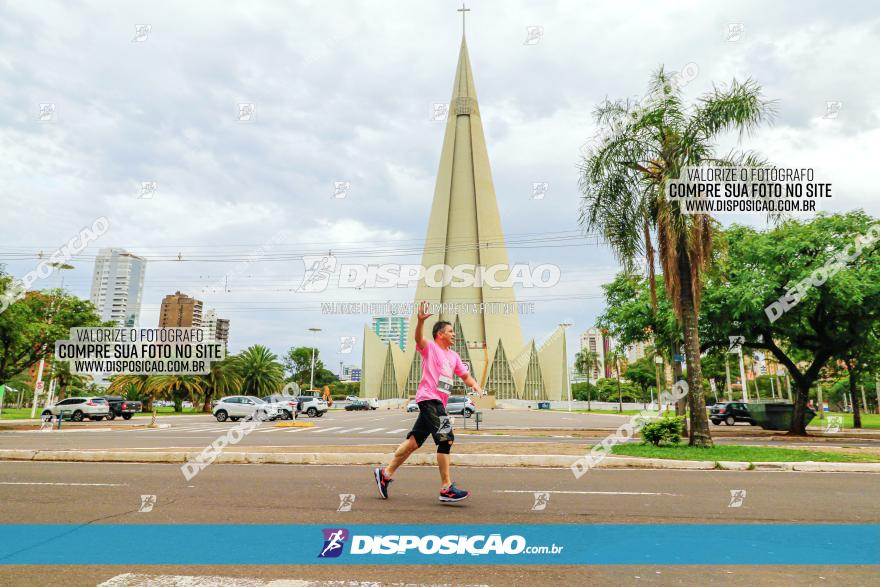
x=439, y=363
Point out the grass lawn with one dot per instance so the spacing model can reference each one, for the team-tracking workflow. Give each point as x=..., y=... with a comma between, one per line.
x=614, y=412
x=25, y=413
x=868, y=420
x=169, y=411
x=18, y=413
x=732, y=452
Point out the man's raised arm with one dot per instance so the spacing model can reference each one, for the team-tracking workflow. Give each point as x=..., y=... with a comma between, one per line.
x=423, y=315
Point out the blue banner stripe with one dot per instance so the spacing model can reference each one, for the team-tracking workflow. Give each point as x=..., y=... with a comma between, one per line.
x=614, y=544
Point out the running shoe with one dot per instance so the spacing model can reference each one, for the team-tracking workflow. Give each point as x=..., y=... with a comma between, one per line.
x=382, y=481
x=453, y=493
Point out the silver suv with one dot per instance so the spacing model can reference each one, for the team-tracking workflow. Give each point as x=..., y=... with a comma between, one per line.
x=314, y=407
x=236, y=407
x=285, y=404
x=77, y=408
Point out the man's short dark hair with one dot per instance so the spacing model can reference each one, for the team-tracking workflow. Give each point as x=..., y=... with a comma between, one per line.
x=440, y=325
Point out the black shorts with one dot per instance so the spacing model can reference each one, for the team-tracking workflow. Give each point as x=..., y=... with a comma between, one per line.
x=432, y=421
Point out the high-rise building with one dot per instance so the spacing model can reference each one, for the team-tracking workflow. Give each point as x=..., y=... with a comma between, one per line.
x=393, y=329
x=636, y=351
x=181, y=311
x=595, y=342
x=118, y=286
x=216, y=329
x=464, y=230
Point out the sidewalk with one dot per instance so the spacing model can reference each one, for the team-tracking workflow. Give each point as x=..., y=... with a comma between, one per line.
x=472, y=455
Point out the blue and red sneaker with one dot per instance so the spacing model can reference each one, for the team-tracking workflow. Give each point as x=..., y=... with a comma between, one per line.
x=453, y=493
x=382, y=481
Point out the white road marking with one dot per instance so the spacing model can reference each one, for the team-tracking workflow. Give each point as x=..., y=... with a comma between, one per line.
x=145, y=580
x=398, y=431
x=316, y=429
x=349, y=430
x=64, y=484
x=585, y=492
x=371, y=431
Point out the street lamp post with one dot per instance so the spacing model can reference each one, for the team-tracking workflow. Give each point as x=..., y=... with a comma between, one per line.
x=565, y=325
x=312, y=379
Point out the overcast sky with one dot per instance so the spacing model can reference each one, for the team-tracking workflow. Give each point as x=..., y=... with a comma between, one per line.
x=343, y=92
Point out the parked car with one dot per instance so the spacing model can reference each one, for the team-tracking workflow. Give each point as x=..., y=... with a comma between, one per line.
x=412, y=406
x=122, y=407
x=236, y=407
x=357, y=405
x=351, y=398
x=371, y=401
x=730, y=413
x=460, y=404
x=285, y=404
x=78, y=408
x=312, y=406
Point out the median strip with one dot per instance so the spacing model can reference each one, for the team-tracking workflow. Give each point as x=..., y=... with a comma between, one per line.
x=466, y=460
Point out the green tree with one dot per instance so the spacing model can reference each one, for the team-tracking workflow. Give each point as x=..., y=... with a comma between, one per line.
x=642, y=373
x=585, y=363
x=624, y=182
x=260, y=371
x=760, y=267
x=178, y=388
x=66, y=380
x=222, y=380
x=298, y=364
x=30, y=326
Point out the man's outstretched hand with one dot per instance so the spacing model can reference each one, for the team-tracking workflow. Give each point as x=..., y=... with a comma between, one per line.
x=423, y=311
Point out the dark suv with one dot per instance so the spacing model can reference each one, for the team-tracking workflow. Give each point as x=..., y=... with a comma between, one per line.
x=730, y=413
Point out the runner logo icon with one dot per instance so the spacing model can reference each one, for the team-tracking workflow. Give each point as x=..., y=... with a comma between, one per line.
x=334, y=541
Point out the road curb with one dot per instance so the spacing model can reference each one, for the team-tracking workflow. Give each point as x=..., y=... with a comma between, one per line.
x=467, y=460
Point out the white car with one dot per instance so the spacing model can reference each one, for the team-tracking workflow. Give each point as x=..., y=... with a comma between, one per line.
x=374, y=402
x=412, y=406
x=236, y=407
x=77, y=408
x=313, y=407
x=351, y=398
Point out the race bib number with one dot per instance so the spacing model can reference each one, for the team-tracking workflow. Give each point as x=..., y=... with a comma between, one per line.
x=444, y=384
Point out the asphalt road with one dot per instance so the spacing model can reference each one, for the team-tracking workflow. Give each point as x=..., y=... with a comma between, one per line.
x=246, y=494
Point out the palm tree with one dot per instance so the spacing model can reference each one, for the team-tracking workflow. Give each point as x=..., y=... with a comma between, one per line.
x=139, y=385
x=616, y=356
x=624, y=180
x=260, y=371
x=222, y=380
x=585, y=362
x=178, y=386
x=66, y=379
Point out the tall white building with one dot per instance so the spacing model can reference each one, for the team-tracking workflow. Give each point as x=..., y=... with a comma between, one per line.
x=594, y=341
x=636, y=351
x=118, y=286
x=216, y=329
x=392, y=329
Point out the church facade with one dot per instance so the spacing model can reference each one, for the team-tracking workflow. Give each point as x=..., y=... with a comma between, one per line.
x=464, y=231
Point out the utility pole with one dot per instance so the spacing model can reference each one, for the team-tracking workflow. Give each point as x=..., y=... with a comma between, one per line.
x=821, y=405
x=312, y=380
x=742, y=374
x=727, y=377
x=565, y=325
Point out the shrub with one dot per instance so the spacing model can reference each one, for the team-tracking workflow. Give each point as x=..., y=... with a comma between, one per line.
x=667, y=429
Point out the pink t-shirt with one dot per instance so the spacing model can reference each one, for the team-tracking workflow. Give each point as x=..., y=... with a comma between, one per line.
x=437, y=369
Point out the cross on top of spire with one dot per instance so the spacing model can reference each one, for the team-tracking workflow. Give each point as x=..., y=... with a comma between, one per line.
x=463, y=11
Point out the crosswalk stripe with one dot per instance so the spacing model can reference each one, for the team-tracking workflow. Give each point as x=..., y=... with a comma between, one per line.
x=371, y=431
x=316, y=429
x=349, y=430
x=398, y=431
